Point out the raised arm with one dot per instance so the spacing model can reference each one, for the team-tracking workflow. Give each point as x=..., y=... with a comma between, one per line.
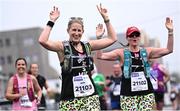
x=111, y=56
x=159, y=52
x=44, y=37
x=112, y=37
x=99, y=31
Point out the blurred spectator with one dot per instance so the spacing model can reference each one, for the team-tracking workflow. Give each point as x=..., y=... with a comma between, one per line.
x=99, y=81
x=115, y=87
x=42, y=83
x=174, y=97
x=22, y=87
x=178, y=87
x=159, y=78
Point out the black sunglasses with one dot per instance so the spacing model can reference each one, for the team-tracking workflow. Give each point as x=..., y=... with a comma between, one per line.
x=134, y=35
x=76, y=18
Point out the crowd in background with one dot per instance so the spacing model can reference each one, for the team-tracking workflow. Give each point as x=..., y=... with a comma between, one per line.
x=133, y=84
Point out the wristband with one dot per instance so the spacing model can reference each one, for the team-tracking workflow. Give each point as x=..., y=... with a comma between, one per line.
x=50, y=23
x=171, y=30
x=106, y=21
x=99, y=37
x=170, y=33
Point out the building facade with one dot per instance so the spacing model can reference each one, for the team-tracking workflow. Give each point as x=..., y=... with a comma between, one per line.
x=23, y=43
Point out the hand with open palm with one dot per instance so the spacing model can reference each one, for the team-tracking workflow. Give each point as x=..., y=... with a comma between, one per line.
x=99, y=31
x=103, y=12
x=169, y=24
x=54, y=14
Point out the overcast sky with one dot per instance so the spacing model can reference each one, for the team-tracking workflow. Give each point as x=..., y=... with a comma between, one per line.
x=147, y=15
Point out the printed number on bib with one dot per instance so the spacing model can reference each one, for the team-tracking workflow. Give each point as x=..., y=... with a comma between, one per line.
x=138, y=81
x=25, y=102
x=82, y=86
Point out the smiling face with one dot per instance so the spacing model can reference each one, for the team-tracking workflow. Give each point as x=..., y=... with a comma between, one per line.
x=75, y=30
x=34, y=69
x=21, y=66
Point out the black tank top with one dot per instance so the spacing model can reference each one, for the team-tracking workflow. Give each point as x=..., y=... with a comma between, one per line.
x=42, y=83
x=137, y=65
x=67, y=84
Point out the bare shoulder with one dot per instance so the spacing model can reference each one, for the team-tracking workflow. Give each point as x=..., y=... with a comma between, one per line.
x=148, y=49
x=120, y=50
x=10, y=82
x=161, y=67
x=11, y=79
x=59, y=45
x=32, y=77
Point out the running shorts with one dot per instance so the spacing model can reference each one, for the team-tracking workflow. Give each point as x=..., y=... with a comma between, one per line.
x=90, y=103
x=138, y=103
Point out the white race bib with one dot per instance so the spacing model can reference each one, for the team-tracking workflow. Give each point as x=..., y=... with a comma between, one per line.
x=172, y=95
x=153, y=79
x=116, y=90
x=154, y=83
x=25, y=102
x=138, y=82
x=82, y=86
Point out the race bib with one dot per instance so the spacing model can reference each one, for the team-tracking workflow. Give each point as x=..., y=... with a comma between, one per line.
x=82, y=86
x=173, y=95
x=153, y=79
x=138, y=82
x=154, y=83
x=25, y=102
x=116, y=90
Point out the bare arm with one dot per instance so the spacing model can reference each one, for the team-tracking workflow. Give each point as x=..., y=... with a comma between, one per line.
x=112, y=37
x=159, y=52
x=112, y=55
x=37, y=87
x=166, y=76
x=46, y=85
x=44, y=37
x=9, y=91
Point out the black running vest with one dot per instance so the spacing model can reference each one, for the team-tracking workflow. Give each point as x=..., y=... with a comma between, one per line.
x=79, y=59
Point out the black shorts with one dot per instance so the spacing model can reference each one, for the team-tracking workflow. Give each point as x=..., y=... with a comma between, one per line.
x=159, y=96
x=103, y=103
x=173, y=96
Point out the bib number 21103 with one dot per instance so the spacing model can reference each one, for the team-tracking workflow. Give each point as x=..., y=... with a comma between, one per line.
x=82, y=86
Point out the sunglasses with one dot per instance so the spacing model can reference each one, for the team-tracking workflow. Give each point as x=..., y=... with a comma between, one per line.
x=76, y=18
x=134, y=35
